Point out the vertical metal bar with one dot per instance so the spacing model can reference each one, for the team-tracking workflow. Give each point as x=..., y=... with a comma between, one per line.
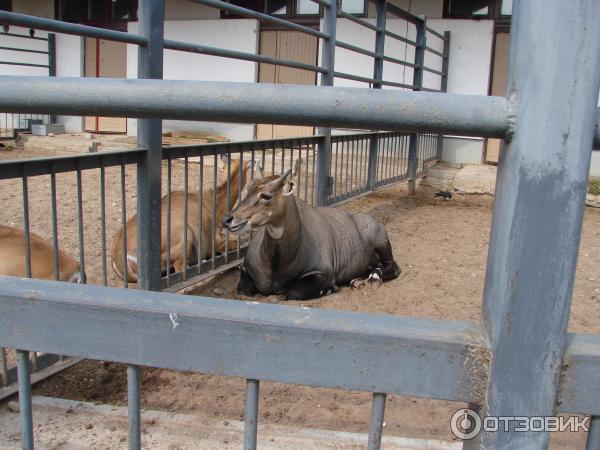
x=352, y=144
x=150, y=65
x=25, y=413
x=51, y=54
x=3, y=366
x=283, y=156
x=377, y=415
x=103, y=225
x=251, y=416
x=124, y=224
x=133, y=408
x=418, y=84
x=593, y=439
x=26, y=240
x=299, y=167
x=313, y=193
x=201, y=248
x=80, y=226
x=272, y=160
x=323, y=189
x=54, y=224
x=169, y=206
x=346, y=152
x=306, y=173
x=241, y=169
x=538, y=211
x=185, y=215
x=213, y=209
x=335, y=169
x=444, y=88
x=229, y=205
x=381, y=7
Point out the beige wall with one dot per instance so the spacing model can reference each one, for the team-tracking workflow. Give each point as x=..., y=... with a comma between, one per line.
x=186, y=10
x=40, y=8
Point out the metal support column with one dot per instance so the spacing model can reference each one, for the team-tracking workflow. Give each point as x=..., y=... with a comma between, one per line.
x=417, y=85
x=149, y=136
x=150, y=65
x=538, y=211
x=324, y=182
x=251, y=415
x=25, y=411
x=444, y=87
x=381, y=6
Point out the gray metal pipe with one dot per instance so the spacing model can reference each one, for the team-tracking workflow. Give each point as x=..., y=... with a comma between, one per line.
x=466, y=115
x=224, y=53
x=39, y=23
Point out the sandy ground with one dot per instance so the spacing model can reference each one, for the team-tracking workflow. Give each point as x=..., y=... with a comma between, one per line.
x=441, y=247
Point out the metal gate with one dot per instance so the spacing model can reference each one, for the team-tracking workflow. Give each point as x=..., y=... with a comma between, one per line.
x=518, y=361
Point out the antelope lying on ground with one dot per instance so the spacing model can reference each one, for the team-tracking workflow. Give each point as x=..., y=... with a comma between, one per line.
x=12, y=258
x=303, y=251
x=180, y=253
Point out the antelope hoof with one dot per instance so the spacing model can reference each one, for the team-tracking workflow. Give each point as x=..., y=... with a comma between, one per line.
x=356, y=284
x=375, y=279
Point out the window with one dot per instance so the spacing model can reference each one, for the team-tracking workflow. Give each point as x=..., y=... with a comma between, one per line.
x=506, y=8
x=6, y=5
x=97, y=11
x=356, y=7
x=468, y=9
x=306, y=7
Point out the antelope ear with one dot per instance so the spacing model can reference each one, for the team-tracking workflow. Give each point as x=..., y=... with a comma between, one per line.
x=258, y=173
x=289, y=188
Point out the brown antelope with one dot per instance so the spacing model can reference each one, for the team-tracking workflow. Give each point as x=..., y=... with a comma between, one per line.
x=303, y=251
x=12, y=258
x=178, y=250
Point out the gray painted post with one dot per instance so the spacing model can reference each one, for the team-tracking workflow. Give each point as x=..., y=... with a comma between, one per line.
x=593, y=439
x=538, y=211
x=133, y=408
x=377, y=75
x=150, y=65
x=417, y=85
x=444, y=87
x=251, y=414
x=323, y=188
x=25, y=412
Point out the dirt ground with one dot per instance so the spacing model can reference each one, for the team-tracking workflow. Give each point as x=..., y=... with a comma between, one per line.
x=441, y=247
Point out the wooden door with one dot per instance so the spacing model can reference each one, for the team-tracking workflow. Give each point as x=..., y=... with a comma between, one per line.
x=294, y=46
x=499, y=75
x=105, y=59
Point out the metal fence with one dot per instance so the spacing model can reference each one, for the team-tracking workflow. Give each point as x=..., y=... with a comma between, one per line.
x=518, y=361
x=25, y=50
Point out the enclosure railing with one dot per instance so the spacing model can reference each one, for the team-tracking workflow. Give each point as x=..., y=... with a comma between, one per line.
x=518, y=361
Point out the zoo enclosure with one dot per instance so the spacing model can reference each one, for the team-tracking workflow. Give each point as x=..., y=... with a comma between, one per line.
x=26, y=50
x=518, y=356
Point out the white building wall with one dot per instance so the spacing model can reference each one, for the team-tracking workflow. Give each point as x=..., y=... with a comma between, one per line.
x=240, y=35
x=69, y=63
x=469, y=73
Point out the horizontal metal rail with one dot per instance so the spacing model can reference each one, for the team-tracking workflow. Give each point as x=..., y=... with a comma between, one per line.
x=437, y=72
x=400, y=38
x=57, y=26
x=12, y=63
x=358, y=20
x=60, y=164
x=224, y=53
x=398, y=61
x=432, y=358
x=435, y=33
x=467, y=115
x=25, y=36
x=355, y=49
x=435, y=52
x=260, y=16
x=25, y=50
x=400, y=13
